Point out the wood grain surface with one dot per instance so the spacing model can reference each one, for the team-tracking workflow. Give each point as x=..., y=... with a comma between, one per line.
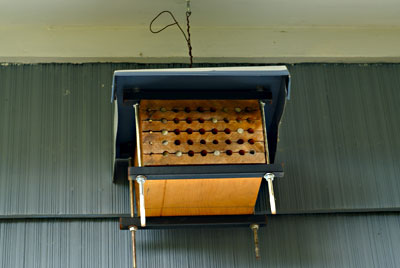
x=200, y=196
x=195, y=132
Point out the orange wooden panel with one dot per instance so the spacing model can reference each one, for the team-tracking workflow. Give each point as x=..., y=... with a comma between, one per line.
x=198, y=159
x=196, y=137
x=200, y=196
x=181, y=109
x=195, y=125
x=196, y=146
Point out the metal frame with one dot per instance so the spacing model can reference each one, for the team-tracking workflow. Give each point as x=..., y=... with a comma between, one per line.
x=194, y=221
x=207, y=171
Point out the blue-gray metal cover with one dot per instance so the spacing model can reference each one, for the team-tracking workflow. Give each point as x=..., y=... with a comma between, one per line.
x=275, y=78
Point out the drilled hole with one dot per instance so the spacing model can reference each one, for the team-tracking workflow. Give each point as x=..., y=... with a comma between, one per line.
x=189, y=131
x=227, y=131
x=200, y=109
x=202, y=141
x=187, y=109
x=177, y=142
x=189, y=120
x=215, y=141
x=176, y=120
x=240, y=141
x=226, y=120
x=191, y=153
x=177, y=131
x=228, y=141
x=201, y=120
x=175, y=110
x=252, y=152
x=249, y=120
x=241, y=152
x=214, y=131
x=203, y=153
x=250, y=130
x=202, y=131
x=229, y=152
x=239, y=120
x=190, y=142
x=251, y=141
x=248, y=109
x=213, y=110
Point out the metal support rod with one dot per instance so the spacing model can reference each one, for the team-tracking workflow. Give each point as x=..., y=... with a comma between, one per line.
x=133, y=230
x=262, y=107
x=131, y=198
x=138, y=143
x=270, y=178
x=140, y=180
x=254, y=228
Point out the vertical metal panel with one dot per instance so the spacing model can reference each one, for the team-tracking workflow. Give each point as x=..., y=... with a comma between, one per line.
x=339, y=140
x=369, y=240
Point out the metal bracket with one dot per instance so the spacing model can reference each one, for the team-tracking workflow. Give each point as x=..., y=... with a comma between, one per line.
x=270, y=178
x=140, y=179
x=213, y=221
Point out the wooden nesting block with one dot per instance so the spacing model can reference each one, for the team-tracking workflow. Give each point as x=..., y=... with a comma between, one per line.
x=200, y=197
x=200, y=132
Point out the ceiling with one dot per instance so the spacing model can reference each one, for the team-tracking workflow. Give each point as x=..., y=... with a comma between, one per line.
x=206, y=13
x=222, y=31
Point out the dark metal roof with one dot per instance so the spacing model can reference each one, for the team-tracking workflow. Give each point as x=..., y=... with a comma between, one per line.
x=339, y=140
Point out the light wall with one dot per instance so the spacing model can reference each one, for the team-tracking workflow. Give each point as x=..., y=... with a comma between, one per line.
x=222, y=31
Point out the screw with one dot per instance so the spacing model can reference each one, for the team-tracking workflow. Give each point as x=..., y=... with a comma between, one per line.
x=217, y=153
x=164, y=121
x=162, y=109
x=178, y=153
x=240, y=130
x=164, y=132
x=214, y=120
x=238, y=110
x=165, y=143
x=254, y=228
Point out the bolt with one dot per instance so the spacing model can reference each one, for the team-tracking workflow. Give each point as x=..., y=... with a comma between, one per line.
x=254, y=228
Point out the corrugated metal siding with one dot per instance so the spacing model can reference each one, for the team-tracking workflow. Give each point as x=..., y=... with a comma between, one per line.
x=288, y=241
x=339, y=140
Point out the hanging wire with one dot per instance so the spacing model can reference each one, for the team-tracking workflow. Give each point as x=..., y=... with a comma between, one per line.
x=187, y=37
